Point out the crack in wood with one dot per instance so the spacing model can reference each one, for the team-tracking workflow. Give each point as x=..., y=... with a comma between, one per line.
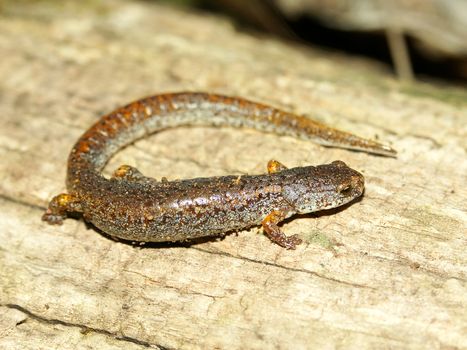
x=83, y=328
x=262, y=262
x=21, y=202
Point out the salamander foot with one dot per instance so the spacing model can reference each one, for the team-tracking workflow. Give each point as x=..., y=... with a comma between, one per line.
x=275, y=234
x=58, y=208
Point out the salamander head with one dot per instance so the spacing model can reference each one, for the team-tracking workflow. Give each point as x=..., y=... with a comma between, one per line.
x=326, y=186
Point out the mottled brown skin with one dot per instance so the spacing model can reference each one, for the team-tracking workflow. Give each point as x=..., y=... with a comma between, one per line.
x=134, y=207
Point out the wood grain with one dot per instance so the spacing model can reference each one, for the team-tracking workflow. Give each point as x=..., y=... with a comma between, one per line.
x=389, y=271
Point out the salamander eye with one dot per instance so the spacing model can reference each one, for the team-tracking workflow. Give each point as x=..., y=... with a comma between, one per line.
x=339, y=163
x=344, y=189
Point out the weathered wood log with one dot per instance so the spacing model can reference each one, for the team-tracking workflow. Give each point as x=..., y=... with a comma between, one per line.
x=388, y=271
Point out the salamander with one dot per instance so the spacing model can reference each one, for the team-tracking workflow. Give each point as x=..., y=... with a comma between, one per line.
x=134, y=207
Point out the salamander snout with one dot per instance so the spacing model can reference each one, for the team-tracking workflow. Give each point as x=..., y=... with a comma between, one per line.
x=323, y=187
x=351, y=187
x=349, y=183
x=343, y=185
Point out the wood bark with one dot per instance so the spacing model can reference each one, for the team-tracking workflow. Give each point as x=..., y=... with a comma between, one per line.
x=388, y=271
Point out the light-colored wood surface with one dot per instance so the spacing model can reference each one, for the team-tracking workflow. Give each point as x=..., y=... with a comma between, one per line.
x=386, y=272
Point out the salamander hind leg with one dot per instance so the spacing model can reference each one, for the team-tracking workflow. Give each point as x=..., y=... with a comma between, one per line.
x=275, y=234
x=275, y=166
x=58, y=208
x=129, y=173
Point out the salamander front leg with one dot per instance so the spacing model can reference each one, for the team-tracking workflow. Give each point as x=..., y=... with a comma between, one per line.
x=59, y=206
x=274, y=166
x=274, y=232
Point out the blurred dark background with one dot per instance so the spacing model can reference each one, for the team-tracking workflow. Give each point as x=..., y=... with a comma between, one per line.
x=417, y=39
